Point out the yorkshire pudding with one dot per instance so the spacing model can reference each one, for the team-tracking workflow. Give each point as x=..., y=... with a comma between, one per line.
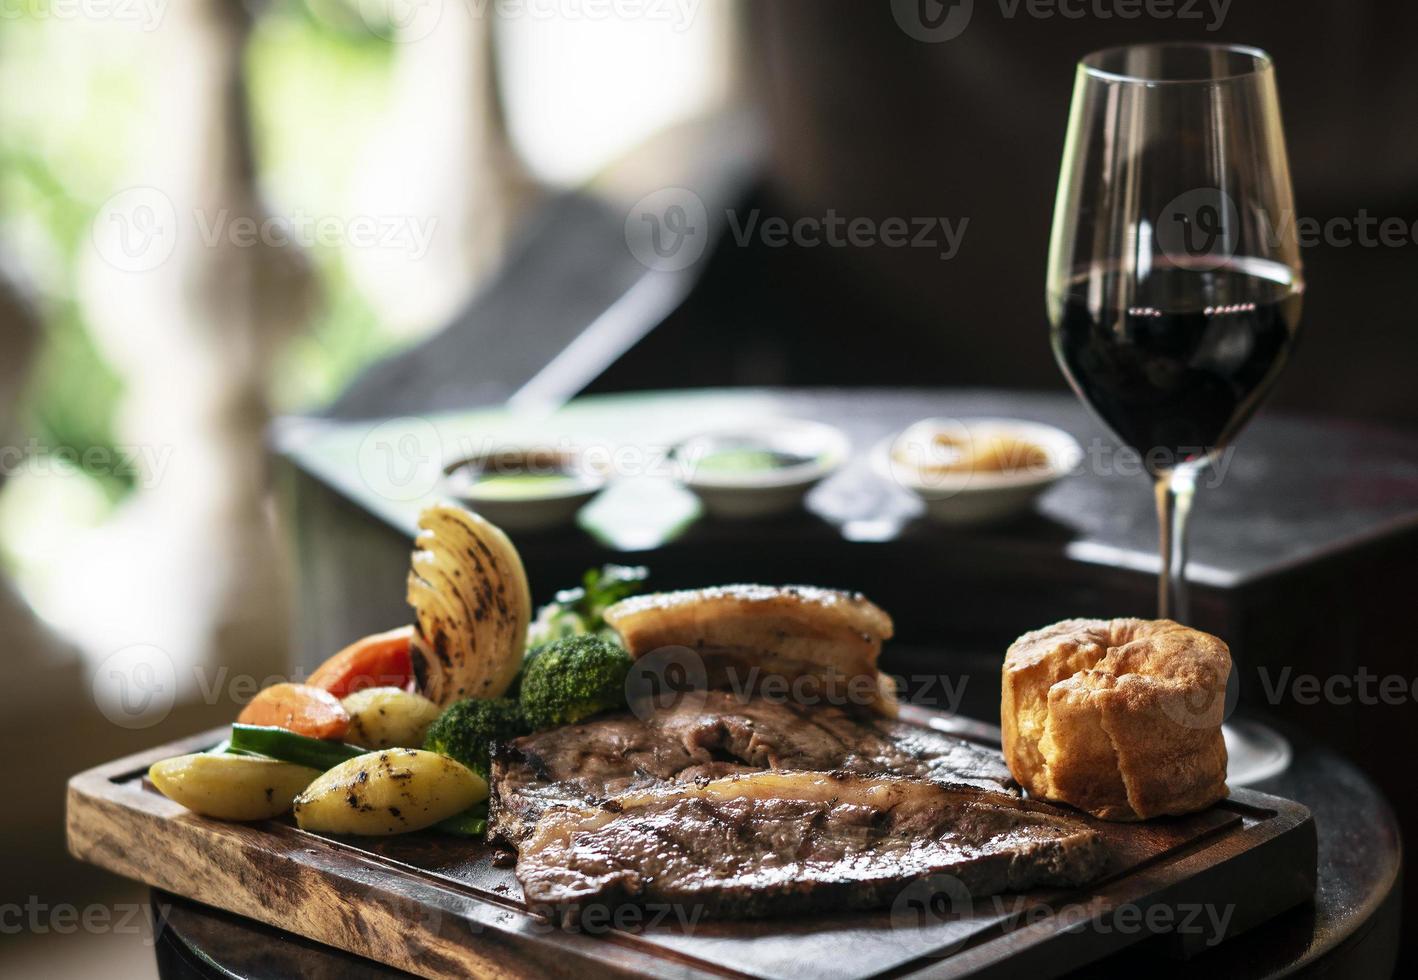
x=1121, y=718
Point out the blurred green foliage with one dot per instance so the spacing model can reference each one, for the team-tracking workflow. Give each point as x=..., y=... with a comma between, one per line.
x=72, y=118
x=49, y=184
x=316, y=85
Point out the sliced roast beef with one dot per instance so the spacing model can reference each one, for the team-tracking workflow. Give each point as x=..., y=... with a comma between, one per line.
x=775, y=843
x=716, y=734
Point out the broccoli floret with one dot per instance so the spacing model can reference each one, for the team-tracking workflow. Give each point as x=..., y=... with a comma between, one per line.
x=578, y=611
x=573, y=678
x=467, y=729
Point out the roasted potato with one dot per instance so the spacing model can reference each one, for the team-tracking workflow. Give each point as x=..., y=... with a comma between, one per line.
x=231, y=787
x=388, y=792
x=387, y=717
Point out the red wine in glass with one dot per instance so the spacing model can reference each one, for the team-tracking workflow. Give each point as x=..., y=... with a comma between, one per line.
x=1178, y=369
x=1174, y=282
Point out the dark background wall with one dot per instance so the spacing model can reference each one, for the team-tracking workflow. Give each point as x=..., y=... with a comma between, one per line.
x=864, y=119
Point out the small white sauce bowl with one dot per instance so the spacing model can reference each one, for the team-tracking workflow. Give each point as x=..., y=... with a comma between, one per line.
x=915, y=460
x=538, y=509
x=756, y=493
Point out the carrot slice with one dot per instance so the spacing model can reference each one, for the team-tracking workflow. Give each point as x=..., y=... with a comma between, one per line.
x=381, y=660
x=298, y=708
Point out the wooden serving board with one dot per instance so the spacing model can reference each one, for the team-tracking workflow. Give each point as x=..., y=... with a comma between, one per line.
x=439, y=906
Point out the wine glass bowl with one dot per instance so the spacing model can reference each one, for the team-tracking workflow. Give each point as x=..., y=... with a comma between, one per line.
x=1174, y=281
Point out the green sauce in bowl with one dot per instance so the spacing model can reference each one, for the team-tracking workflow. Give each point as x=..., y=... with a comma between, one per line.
x=758, y=469
x=751, y=460
x=521, y=486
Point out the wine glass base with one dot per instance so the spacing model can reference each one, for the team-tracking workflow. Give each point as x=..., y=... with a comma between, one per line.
x=1254, y=752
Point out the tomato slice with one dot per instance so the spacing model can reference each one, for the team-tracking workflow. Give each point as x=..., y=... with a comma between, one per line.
x=298, y=708
x=381, y=660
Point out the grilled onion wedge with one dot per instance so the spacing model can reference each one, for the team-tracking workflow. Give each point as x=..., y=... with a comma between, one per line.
x=472, y=604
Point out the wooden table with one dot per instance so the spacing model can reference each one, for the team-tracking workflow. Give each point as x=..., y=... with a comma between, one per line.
x=1352, y=929
x=1305, y=553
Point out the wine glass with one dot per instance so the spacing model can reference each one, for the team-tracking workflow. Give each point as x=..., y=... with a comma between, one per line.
x=1174, y=282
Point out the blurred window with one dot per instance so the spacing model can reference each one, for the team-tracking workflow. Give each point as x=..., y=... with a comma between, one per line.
x=583, y=81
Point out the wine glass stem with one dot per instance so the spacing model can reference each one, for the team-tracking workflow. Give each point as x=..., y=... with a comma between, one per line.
x=1174, y=490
